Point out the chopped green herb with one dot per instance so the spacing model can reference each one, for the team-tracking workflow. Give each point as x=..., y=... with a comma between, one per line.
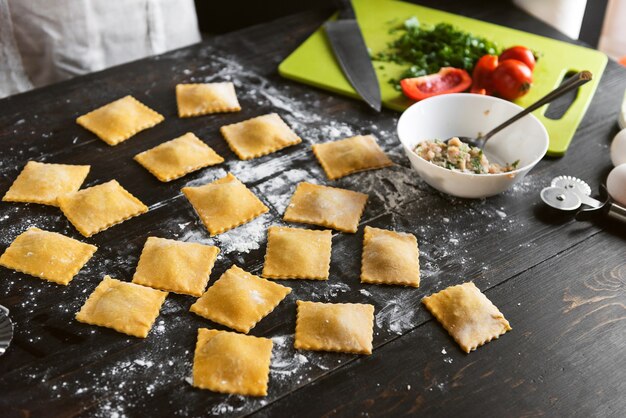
x=478, y=167
x=425, y=49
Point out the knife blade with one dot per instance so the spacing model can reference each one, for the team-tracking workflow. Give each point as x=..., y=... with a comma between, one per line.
x=349, y=47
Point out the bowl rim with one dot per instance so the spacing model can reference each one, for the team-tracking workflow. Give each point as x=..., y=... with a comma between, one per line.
x=481, y=97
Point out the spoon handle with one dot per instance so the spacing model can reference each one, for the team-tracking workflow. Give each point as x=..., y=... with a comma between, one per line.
x=568, y=85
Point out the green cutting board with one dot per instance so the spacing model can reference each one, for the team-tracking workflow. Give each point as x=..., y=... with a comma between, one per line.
x=314, y=63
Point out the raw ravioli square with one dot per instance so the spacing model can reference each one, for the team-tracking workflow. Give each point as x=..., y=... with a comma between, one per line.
x=344, y=327
x=259, y=136
x=99, y=207
x=468, y=316
x=47, y=255
x=297, y=253
x=350, y=155
x=173, y=159
x=175, y=266
x=390, y=258
x=331, y=207
x=228, y=362
x=239, y=299
x=119, y=120
x=202, y=99
x=125, y=307
x=224, y=204
x=44, y=183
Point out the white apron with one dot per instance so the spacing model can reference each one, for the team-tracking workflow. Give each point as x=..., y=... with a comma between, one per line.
x=43, y=41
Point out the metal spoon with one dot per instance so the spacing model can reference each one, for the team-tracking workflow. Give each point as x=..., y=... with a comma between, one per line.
x=568, y=85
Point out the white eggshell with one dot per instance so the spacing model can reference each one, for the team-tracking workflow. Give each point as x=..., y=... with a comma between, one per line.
x=616, y=184
x=618, y=148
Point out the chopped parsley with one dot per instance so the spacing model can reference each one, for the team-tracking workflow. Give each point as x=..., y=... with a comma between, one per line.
x=426, y=49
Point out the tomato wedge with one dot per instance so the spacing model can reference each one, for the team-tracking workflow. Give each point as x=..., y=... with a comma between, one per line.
x=447, y=80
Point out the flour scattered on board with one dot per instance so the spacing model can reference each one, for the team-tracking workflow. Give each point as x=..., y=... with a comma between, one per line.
x=390, y=187
x=279, y=189
x=207, y=177
x=394, y=315
x=120, y=387
x=286, y=361
x=245, y=238
x=143, y=363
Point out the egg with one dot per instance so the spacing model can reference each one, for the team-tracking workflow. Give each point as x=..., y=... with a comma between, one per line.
x=616, y=184
x=618, y=148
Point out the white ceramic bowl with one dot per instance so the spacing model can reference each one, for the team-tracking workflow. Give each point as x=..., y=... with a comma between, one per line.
x=465, y=114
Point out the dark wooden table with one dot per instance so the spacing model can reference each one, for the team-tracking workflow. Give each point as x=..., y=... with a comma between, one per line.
x=561, y=283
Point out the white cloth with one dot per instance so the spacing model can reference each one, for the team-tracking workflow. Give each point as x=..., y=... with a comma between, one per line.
x=13, y=78
x=565, y=15
x=63, y=38
x=613, y=38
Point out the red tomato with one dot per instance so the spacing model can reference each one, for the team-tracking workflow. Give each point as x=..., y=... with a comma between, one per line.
x=520, y=53
x=481, y=76
x=512, y=79
x=447, y=80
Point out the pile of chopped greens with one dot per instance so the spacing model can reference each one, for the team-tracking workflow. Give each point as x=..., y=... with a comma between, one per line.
x=428, y=48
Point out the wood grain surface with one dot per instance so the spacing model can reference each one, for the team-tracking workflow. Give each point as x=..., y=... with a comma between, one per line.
x=559, y=282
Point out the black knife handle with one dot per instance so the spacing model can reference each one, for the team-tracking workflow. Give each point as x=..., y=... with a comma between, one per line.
x=345, y=9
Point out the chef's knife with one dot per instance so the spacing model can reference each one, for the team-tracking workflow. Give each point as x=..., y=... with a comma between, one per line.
x=351, y=52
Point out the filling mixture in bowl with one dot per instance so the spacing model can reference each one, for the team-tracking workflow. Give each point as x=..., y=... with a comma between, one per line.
x=459, y=156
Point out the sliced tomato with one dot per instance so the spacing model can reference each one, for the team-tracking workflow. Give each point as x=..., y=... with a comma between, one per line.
x=520, y=53
x=481, y=76
x=447, y=80
x=512, y=79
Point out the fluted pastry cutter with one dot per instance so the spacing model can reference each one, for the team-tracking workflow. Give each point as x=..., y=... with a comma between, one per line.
x=569, y=193
x=6, y=329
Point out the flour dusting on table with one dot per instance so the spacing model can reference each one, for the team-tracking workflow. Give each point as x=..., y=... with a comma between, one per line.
x=279, y=189
x=395, y=315
x=286, y=361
